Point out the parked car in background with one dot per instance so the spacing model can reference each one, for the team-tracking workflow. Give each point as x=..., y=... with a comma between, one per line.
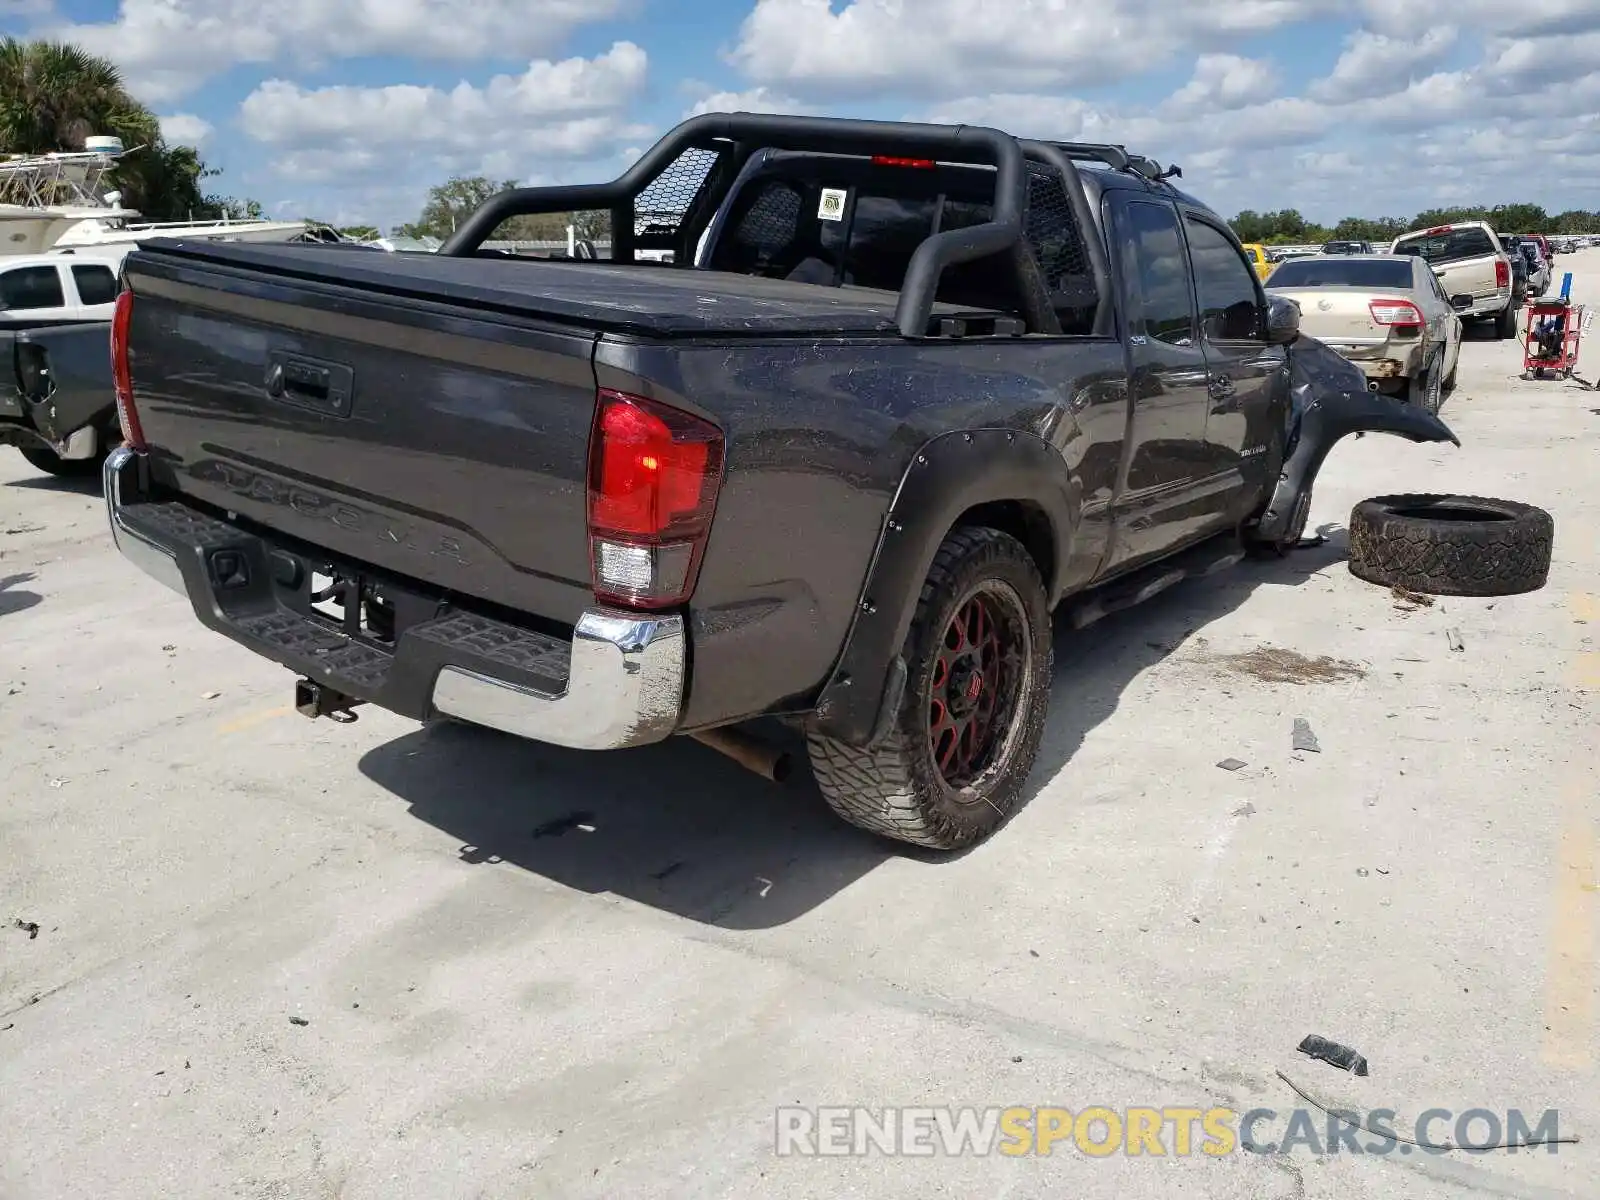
x=1347, y=247
x=1540, y=272
x=1470, y=261
x=1260, y=260
x=1386, y=314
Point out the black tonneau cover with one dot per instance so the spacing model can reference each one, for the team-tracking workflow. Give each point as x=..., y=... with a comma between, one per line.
x=652, y=300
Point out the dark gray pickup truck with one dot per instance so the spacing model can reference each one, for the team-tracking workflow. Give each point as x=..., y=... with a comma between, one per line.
x=904, y=390
x=56, y=403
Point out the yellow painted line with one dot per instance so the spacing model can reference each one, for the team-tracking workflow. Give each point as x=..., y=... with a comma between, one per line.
x=1571, y=974
x=1586, y=669
x=1570, y=979
x=255, y=719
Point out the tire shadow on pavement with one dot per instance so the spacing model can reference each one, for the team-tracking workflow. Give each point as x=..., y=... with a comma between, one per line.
x=14, y=599
x=678, y=827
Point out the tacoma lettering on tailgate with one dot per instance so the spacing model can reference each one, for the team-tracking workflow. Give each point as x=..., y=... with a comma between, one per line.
x=352, y=519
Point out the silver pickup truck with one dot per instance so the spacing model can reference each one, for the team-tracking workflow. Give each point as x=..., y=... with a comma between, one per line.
x=1469, y=260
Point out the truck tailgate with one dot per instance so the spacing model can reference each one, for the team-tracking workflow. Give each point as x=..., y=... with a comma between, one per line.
x=437, y=443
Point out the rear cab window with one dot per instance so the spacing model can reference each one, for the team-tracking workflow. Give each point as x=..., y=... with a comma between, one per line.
x=1365, y=272
x=1448, y=245
x=855, y=223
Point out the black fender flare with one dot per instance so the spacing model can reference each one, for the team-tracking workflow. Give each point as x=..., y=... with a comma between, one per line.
x=1334, y=403
x=947, y=477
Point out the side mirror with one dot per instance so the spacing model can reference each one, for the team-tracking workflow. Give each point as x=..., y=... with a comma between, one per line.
x=1283, y=321
x=1461, y=301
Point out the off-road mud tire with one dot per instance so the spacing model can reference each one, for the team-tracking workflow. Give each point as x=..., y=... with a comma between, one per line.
x=1451, y=545
x=896, y=789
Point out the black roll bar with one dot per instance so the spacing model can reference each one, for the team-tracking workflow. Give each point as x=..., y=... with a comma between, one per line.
x=1057, y=155
x=823, y=135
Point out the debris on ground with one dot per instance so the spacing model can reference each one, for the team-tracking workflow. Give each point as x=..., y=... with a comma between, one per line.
x=1232, y=764
x=1303, y=738
x=1274, y=664
x=298, y=1021
x=31, y=928
x=1333, y=1054
x=1355, y=1121
x=1244, y=810
x=566, y=824
x=1408, y=600
x=210, y=695
x=1453, y=636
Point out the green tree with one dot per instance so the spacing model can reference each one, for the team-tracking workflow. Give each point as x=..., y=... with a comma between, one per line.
x=452, y=201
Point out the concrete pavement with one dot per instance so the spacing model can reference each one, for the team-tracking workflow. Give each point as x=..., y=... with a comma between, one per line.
x=528, y=972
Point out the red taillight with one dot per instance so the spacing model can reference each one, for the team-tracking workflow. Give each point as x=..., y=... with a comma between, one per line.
x=1502, y=274
x=122, y=371
x=885, y=160
x=654, y=472
x=1396, y=313
x=1437, y=229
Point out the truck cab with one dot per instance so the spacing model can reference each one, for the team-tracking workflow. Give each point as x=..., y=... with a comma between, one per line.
x=1469, y=260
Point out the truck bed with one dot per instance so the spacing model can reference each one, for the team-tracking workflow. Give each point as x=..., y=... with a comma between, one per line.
x=648, y=300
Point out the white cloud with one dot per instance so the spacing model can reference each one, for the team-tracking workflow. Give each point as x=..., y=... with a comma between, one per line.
x=755, y=100
x=572, y=109
x=1226, y=81
x=946, y=48
x=1375, y=63
x=168, y=47
x=1526, y=18
x=185, y=129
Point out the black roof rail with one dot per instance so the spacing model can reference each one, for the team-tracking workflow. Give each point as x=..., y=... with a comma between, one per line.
x=1118, y=158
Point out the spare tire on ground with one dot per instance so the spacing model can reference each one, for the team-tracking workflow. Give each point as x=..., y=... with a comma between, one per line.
x=1451, y=545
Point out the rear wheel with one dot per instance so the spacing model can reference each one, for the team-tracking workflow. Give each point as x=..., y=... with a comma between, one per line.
x=52, y=463
x=1426, y=390
x=951, y=768
x=1505, y=324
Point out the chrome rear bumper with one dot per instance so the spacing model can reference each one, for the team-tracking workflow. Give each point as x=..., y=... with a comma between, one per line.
x=618, y=682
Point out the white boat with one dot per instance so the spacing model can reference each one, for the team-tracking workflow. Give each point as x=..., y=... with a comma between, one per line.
x=64, y=200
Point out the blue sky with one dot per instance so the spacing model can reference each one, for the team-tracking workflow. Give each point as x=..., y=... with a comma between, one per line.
x=348, y=111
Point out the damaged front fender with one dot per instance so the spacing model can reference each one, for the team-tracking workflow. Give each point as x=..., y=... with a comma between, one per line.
x=1329, y=401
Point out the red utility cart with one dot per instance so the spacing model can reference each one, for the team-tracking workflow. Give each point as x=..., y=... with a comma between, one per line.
x=1550, y=337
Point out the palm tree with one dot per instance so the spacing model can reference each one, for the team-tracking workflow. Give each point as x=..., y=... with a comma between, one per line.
x=53, y=95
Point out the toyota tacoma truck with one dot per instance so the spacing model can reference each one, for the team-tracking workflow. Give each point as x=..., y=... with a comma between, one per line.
x=1470, y=261
x=904, y=390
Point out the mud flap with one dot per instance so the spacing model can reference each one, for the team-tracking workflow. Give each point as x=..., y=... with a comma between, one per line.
x=1329, y=400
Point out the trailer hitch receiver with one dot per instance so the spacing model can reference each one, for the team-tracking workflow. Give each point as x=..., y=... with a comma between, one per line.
x=313, y=699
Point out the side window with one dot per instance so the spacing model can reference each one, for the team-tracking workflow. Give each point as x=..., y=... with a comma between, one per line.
x=96, y=284
x=1166, y=309
x=1230, y=301
x=31, y=287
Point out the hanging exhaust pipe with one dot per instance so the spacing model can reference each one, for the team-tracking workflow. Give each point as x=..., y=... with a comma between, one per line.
x=765, y=760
